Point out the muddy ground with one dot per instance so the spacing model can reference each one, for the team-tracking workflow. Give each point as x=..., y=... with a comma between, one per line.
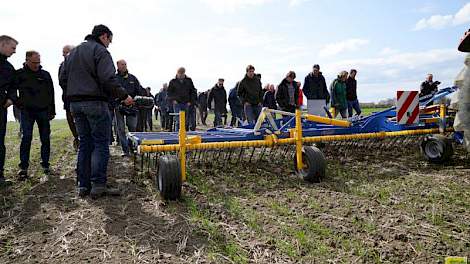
x=376, y=205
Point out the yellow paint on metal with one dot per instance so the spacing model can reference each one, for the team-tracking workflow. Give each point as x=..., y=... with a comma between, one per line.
x=442, y=113
x=194, y=139
x=431, y=120
x=182, y=145
x=328, y=121
x=269, y=142
x=152, y=142
x=333, y=111
x=298, y=139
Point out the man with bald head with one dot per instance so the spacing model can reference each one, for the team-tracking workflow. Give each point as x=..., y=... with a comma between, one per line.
x=126, y=115
x=65, y=52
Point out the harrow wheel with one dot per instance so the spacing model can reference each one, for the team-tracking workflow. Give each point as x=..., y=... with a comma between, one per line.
x=314, y=164
x=169, y=178
x=437, y=148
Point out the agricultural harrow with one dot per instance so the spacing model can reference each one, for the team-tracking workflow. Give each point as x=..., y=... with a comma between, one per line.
x=296, y=135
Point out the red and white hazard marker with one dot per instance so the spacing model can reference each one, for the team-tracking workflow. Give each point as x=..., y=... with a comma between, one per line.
x=407, y=107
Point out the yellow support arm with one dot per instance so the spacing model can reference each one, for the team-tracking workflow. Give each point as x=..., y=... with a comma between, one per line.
x=182, y=145
x=298, y=139
x=328, y=121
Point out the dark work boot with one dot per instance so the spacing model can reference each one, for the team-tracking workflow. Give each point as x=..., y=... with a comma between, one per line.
x=3, y=181
x=23, y=175
x=100, y=190
x=83, y=191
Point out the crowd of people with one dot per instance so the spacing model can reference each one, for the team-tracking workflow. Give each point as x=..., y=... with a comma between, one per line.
x=100, y=103
x=246, y=99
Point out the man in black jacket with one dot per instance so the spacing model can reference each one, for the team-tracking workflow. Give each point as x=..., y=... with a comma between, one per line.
x=351, y=94
x=36, y=101
x=148, y=123
x=89, y=77
x=7, y=93
x=219, y=96
x=287, y=94
x=428, y=88
x=127, y=115
x=65, y=52
x=202, y=106
x=269, y=98
x=236, y=107
x=164, y=106
x=316, y=91
x=250, y=93
x=182, y=93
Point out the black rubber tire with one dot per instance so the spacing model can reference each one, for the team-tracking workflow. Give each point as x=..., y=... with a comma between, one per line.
x=168, y=179
x=314, y=163
x=437, y=149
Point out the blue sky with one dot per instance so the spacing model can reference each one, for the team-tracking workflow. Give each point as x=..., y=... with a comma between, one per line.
x=393, y=44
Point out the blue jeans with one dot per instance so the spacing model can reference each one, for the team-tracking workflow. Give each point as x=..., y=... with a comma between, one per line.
x=27, y=125
x=354, y=104
x=93, y=123
x=176, y=109
x=3, y=130
x=252, y=112
x=121, y=122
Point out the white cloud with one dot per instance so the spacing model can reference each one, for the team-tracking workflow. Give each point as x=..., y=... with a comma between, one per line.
x=463, y=15
x=427, y=8
x=388, y=51
x=293, y=3
x=441, y=21
x=342, y=46
x=230, y=6
x=381, y=76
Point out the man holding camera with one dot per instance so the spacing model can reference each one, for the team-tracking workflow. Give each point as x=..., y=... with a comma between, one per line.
x=428, y=86
x=127, y=115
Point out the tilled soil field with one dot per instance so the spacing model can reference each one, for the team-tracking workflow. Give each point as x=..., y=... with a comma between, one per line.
x=376, y=205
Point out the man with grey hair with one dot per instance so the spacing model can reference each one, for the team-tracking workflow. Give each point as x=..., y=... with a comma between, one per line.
x=36, y=102
x=7, y=93
x=65, y=52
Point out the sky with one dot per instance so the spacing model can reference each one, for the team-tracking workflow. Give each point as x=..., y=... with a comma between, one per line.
x=392, y=44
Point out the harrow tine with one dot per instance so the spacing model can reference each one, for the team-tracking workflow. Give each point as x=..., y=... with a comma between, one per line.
x=262, y=154
x=228, y=159
x=252, y=153
x=242, y=150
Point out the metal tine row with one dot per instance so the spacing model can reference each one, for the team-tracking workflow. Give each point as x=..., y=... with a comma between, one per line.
x=275, y=154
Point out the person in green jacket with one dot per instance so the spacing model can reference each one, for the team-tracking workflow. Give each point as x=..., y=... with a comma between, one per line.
x=338, y=88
